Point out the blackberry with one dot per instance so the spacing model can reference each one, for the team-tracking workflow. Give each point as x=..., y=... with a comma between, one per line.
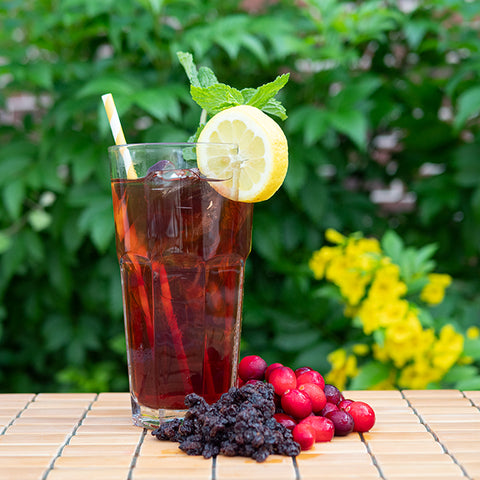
x=240, y=423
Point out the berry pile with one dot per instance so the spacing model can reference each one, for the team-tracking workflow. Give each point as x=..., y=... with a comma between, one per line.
x=241, y=423
x=312, y=410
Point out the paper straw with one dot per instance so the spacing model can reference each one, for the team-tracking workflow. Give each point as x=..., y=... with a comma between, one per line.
x=117, y=133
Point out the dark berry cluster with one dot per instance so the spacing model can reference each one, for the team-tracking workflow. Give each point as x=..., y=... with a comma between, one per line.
x=240, y=423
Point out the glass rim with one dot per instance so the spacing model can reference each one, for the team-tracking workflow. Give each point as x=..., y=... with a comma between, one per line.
x=129, y=146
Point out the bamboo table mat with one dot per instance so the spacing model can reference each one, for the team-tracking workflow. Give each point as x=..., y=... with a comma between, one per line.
x=418, y=435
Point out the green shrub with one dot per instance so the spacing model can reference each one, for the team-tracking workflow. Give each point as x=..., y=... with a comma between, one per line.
x=375, y=94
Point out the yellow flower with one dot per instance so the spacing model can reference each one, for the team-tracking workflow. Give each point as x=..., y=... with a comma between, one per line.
x=447, y=349
x=473, y=333
x=440, y=279
x=344, y=366
x=337, y=268
x=352, y=286
x=402, y=339
x=417, y=375
x=380, y=353
x=387, y=284
x=369, y=315
x=335, y=237
x=360, y=349
x=393, y=311
x=434, y=291
x=371, y=245
x=319, y=260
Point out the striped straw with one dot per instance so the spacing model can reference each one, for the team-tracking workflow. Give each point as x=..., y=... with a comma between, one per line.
x=117, y=132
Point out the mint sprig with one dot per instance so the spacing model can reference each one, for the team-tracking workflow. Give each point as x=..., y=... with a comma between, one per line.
x=214, y=96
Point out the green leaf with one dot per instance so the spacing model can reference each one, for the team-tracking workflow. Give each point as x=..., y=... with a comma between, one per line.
x=13, y=195
x=117, y=85
x=5, y=242
x=460, y=373
x=351, y=123
x=39, y=219
x=97, y=220
x=467, y=165
x=274, y=107
x=370, y=374
x=260, y=97
x=206, y=77
x=468, y=105
x=469, y=383
x=161, y=103
x=392, y=245
x=217, y=97
x=315, y=356
x=310, y=120
x=471, y=348
x=296, y=341
x=186, y=60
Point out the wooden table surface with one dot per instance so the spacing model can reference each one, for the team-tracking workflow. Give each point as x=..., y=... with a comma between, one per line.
x=418, y=435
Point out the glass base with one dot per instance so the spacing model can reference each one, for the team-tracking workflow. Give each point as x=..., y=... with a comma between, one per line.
x=151, y=418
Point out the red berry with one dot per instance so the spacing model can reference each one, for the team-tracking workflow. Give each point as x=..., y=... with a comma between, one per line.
x=329, y=407
x=296, y=403
x=252, y=367
x=269, y=369
x=316, y=395
x=282, y=379
x=301, y=370
x=333, y=394
x=344, y=404
x=342, y=421
x=324, y=428
x=363, y=416
x=312, y=376
x=286, y=420
x=304, y=435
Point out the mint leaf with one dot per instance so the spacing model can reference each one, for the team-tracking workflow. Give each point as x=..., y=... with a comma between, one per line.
x=262, y=95
x=213, y=97
x=274, y=107
x=186, y=60
x=217, y=97
x=206, y=77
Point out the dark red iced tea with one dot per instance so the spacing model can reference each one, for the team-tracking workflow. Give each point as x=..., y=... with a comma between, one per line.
x=182, y=249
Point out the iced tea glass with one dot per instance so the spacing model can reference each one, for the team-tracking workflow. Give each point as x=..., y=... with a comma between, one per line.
x=182, y=249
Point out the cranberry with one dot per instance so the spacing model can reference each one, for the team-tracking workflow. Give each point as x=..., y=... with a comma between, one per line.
x=253, y=382
x=304, y=435
x=252, y=367
x=282, y=379
x=312, y=376
x=301, y=370
x=333, y=394
x=316, y=395
x=342, y=421
x=324, y=428
x=285, y=420
x=363, y=416
x=296, y=403
x=344, y=404
x=329, y=407
x=269, y=369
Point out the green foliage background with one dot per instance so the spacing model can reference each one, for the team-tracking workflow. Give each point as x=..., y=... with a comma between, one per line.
x=361, y=73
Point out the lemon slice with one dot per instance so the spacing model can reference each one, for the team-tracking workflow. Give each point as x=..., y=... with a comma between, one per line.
x=259, y=169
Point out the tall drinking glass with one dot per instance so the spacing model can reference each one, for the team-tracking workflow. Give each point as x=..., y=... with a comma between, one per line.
x=182, y=249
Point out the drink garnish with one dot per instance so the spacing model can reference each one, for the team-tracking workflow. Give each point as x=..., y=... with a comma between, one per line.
x=239, y=117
